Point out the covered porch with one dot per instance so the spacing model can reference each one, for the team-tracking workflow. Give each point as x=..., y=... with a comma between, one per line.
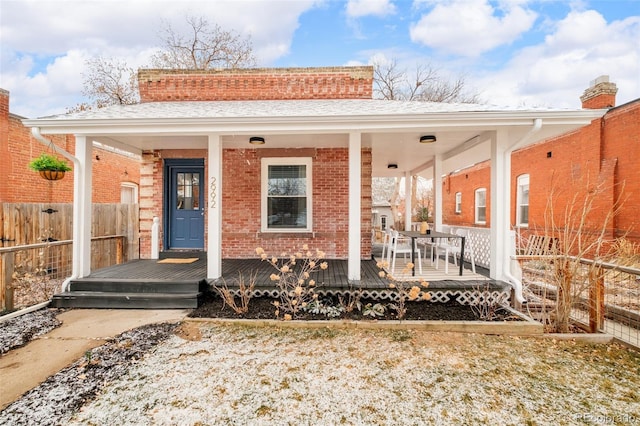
x=148, y=283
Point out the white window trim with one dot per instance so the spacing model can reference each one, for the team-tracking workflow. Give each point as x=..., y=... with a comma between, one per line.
x=477, y=221
x=522, y=180
x=458, y=208
x=289, y=161
x=130, y=185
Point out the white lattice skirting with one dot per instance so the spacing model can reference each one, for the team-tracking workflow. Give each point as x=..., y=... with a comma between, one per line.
x=469, y=296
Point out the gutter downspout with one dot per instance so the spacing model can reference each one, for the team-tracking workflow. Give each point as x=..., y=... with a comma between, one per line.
x=35, y=131
x=516, y=283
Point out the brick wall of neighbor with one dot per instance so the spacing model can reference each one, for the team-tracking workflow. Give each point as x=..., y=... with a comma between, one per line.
x=256, y=84
x=241, y=198
x=602, y=156
x=466, y=182
x=19, y=184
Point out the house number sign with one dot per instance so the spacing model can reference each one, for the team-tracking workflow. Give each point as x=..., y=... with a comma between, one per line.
x=212, y=193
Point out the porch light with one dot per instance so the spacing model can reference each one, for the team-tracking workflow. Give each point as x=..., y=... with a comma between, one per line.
x=427, y=139
x=392, y=166
x=256, y=140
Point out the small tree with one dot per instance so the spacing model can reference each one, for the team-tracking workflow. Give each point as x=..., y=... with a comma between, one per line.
x=581, y=228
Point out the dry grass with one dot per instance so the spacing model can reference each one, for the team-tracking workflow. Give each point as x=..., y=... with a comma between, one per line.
x=250, y=375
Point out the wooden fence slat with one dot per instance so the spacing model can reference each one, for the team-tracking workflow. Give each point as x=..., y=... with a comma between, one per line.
x=27, y=223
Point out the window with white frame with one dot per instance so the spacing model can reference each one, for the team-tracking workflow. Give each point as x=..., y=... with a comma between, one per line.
x=481, y=206
x=383, y=222
x=128, y=193
x=286, y=194
x=522, y=201
x=458, y=202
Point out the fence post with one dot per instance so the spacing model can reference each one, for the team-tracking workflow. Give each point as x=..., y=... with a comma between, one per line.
x=6, y=280
x=596, y=300
x=119, y=250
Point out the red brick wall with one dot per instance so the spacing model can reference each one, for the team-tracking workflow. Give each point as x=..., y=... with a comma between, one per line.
x=601, y=157
x=621, y=140
x=241, y=192
x=19, y=184
x=466, y=182
x=256, y=84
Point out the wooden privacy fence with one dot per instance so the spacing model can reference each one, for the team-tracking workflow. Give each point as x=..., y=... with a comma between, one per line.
x=31, y=274
x=32, y=223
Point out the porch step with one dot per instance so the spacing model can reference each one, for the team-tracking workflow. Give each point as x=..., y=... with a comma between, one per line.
x=123, y=285
x=118, y=300
x=125, y=293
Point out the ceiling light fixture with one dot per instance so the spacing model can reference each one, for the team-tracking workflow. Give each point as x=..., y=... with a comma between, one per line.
x=427, y=139
x=256, y=140
x=392, y=166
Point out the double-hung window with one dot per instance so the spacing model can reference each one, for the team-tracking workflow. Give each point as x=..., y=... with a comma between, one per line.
x=481, y=206
x=286, y=194
x=522, y=201
x=458, y=202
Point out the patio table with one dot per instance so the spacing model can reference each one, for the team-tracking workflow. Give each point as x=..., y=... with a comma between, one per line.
x=433, y=235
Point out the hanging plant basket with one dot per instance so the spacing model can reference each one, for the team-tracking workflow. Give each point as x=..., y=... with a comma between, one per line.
x=49, y=167
x=52, y=174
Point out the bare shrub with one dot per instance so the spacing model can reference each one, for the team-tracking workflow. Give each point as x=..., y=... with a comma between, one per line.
x=407, y=291
x=580, y=226
x=245, y=293
x=294, y=279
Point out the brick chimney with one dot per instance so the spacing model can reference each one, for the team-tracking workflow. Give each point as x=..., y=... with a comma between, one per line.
x=600, y=94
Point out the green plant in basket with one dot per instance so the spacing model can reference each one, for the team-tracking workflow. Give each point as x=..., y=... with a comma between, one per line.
x=48, y=162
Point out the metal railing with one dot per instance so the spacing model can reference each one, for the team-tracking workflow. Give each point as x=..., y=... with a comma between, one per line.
x=31, y=274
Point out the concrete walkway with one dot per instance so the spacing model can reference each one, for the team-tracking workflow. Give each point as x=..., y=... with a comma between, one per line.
x=82, y=329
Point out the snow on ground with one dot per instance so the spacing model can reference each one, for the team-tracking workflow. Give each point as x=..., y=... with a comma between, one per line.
x=20, y=330
x=246, y=375
x=207, y=374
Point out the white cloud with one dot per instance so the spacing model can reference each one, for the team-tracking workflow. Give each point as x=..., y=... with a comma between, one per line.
x=45, y=43
x=471, y=27
x=360, y=8
x=556, y=72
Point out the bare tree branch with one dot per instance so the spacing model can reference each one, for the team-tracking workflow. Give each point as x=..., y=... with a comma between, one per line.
x=206, y=46
x=108, y=81
x=425, y=84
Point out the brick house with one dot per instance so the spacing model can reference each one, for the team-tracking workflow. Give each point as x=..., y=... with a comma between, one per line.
x=275, y=158
x=602, y=156
x=114, y=175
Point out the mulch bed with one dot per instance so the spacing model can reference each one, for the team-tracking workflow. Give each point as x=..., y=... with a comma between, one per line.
x=212, y=306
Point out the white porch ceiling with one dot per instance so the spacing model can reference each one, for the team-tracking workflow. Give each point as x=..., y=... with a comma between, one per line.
x=392, y=129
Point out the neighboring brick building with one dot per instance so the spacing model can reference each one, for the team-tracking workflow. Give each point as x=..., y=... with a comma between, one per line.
x=602, y=158
x=19, y=184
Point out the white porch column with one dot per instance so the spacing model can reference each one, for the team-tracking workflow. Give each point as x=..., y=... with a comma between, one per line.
x=437, y=192
x=82, y=208
x=500, y=203
x=214, y=208
x=355, y=210
x=408, y=207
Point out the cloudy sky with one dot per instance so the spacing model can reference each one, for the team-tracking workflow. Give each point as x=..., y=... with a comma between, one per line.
x=511, y=52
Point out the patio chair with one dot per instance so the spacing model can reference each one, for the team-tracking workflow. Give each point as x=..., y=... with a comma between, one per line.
x=429, y=246
x=453, y=247
x=402, y=246
x=386, y=242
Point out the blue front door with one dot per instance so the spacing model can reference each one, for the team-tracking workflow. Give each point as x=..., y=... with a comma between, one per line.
x=185, y=207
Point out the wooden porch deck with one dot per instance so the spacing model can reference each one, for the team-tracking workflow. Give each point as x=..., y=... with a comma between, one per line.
x=334, y=277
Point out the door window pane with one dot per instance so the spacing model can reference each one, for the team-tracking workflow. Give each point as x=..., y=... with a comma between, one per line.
x=187, y=191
